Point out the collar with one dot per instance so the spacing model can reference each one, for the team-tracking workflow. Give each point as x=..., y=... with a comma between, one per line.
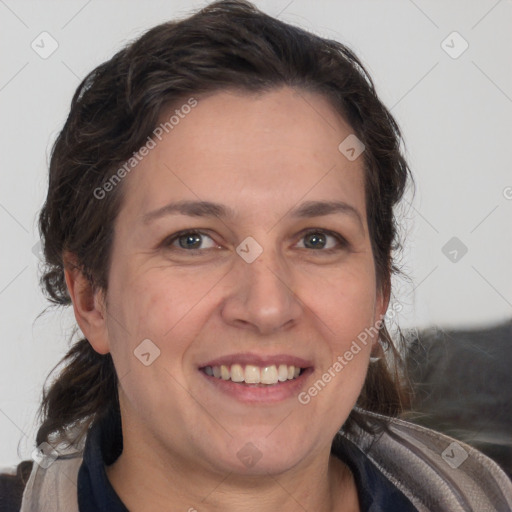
x=103, y=445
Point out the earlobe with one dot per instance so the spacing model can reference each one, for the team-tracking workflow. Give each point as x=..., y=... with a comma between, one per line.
x=381, y=307
x=88, y=305
x=382, y=303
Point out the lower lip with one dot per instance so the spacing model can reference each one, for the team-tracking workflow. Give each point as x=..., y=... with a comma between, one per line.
x=260, y=393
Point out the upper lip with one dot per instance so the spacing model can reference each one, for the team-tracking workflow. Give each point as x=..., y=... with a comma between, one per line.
x=259, y=360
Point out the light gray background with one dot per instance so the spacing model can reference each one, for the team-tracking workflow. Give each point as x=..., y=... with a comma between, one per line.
x=455, y=115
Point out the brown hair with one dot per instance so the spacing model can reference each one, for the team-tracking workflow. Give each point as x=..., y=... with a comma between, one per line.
x=227, y=44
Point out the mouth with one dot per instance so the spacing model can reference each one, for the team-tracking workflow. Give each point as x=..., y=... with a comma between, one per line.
x=254, y=379
x=254, y=375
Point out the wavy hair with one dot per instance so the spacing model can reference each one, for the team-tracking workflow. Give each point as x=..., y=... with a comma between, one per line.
x=228, y=44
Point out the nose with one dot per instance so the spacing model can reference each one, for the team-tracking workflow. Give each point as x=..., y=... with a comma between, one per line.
x=261, y=296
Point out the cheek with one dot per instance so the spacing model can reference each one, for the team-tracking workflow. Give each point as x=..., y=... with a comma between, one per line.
x=149, y=333
x=156, y=305
x=153, y=301
x=344, y=302
x=345, y=313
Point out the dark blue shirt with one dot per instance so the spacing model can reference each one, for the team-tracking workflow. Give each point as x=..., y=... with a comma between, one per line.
x=104, y=444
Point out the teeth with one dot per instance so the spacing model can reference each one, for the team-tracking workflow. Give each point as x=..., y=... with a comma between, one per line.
x=252, y=374
x=269, y=375
x=237, y=373
x=282, y=373
x=224, y=372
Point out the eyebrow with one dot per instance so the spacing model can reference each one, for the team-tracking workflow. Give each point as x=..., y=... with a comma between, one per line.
x=210, y=209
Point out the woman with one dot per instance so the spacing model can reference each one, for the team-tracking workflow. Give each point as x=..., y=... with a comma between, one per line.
x=220, y=217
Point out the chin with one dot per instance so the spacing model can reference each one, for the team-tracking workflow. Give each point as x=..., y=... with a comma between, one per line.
x=263, y=453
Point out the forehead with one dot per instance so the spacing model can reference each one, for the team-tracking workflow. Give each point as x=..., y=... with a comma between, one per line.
x=247, y=150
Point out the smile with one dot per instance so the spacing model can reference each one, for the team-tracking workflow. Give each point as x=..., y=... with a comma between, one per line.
x=252, y=374
x=255, y=378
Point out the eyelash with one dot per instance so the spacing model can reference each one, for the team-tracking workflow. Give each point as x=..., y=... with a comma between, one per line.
x=343, y=244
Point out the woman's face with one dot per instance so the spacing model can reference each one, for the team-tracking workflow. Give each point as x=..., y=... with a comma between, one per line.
x=253, y=292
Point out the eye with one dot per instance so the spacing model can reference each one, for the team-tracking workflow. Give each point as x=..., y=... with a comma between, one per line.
x=318, y=239
x=189, y=240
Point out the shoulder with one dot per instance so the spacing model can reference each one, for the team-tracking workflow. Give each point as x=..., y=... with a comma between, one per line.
x=12, y=485
x=45, y=483
x=433, y=470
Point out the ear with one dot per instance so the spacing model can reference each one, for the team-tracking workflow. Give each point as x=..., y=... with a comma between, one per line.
x=88, y=304
x=382, y=303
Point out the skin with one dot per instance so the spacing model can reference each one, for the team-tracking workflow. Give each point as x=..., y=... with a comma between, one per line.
x=261, y=155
